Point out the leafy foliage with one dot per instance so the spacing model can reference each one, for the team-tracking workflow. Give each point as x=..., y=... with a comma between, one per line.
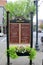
x=27, y=48
x=21, y=49
x=32, y=54
x=20, y=8
x=12, y=52
x=13, y=49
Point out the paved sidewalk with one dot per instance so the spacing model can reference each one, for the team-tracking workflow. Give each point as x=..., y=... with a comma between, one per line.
x=21, y=60
x=25, y=60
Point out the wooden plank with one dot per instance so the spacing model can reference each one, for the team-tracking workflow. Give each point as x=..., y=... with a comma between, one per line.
x=25, y=33
x=19, y=33
x=14, y=33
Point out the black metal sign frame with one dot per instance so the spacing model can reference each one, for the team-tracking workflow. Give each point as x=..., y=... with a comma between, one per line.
x=31, y=45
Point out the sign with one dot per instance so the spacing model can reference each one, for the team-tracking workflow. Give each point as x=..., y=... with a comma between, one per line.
x=25, y=33
x=20, y=33
x=14, y=33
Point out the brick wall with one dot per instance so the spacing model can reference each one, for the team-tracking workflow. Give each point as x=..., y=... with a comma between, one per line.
x=3, y=2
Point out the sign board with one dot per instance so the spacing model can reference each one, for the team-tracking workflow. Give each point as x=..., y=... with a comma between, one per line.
x=19, y=33
x=25, y=33
x=14, y=33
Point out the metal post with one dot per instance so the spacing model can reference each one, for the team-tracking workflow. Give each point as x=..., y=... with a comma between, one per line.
x=42, y=61
x=8, y=58
x=31, y=33
x=31, y=29
x=36, y=45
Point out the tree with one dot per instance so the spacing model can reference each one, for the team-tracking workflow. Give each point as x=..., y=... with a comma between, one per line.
x=20, y=8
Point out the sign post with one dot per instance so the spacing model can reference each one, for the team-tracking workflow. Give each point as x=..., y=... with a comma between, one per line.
x=24, y=37
x=8, y=58
x=31, y=14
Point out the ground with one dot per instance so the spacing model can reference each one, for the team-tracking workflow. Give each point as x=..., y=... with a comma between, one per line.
x=21, y=60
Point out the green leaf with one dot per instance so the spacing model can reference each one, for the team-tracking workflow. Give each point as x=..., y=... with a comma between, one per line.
x=20, y=8
x=32, y=54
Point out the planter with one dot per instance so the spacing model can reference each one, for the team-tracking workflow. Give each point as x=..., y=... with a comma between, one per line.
x=22, y=54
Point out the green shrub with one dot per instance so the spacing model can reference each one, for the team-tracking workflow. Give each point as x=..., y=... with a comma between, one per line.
x=12, y=52
x=21, y=49
x=32, y=54
x=14, y=49
x=27, y=48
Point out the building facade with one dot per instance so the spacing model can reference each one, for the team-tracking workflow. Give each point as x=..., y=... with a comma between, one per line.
x=3, y=2
x=2, y=9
